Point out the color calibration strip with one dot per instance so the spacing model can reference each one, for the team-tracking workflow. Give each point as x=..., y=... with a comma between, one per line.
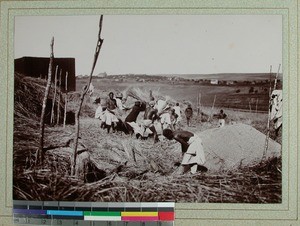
x=93, y=214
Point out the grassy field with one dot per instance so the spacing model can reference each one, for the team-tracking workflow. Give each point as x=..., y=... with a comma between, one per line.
x=227, y=96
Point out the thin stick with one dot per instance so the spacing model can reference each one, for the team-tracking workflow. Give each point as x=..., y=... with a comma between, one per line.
x=198, y=108
x=66, y=99
x=250, y=106
x=58, y=102
x=212, y=108
x=200, y=104
x=256, y=105
x=275, y=83
x=40, y=154
x=97, y=51
x=54, y=98
x=269, y=116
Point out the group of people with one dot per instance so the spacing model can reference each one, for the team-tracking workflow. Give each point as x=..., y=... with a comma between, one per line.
x=158, y=114
x=159, y=117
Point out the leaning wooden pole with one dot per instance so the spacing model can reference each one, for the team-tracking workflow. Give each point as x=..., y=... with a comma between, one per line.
x=54, y=98
x=59, y=95
x=40, y=153
x=212, y=108
x=66, y=99
x=269, y=116
x=77, y=126
x=275, y=83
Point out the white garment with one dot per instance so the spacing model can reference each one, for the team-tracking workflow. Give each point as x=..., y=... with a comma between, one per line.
x=91, y=89
x=276, y=107
x=165, y=120
x=160, y=106
x=177, y=111
x=110, y=118
x=145, y=124
x=100, y=114
x=221, y=122
x=194, y=153
x=142, y=129
x=119, y=104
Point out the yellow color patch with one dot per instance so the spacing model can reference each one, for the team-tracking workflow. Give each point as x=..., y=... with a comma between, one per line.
x=139, y=214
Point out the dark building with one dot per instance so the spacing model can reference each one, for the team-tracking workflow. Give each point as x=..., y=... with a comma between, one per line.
x=37, y=67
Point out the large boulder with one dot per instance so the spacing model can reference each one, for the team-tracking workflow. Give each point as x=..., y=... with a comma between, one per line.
x=235, y=145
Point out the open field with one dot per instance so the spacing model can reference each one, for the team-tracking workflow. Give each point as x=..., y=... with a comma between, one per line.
x=227, y=96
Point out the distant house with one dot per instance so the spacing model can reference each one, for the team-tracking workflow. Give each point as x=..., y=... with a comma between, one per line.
x=229, y=83
x=214, y=81
x=37, y=67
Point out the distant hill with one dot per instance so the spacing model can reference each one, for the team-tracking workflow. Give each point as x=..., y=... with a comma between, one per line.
x=221, y=76
x=231, y=76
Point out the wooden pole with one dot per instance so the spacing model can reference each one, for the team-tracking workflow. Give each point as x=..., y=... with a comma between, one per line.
x=54, y=98
x=269, y=116
x=77, y=126
x=198, y=107
x=250, y=106
x=256, y=106
x=212, y=108
x=59, y=95
x=199, y=104
x=66, y=98
x=40, y=153
x=275, y=83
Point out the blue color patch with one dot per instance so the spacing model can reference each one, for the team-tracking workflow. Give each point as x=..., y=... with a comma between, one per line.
x=64, y=213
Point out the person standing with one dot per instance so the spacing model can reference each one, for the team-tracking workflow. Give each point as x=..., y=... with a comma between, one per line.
x=191, y=147
x=100, y=112
x=222, y=117
x=177, y=111
x=188, y=114
x=174, y=119
x=111, y=118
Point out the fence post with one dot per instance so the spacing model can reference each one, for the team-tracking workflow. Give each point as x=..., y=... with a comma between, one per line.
x=66, y=99
x=59, y=94
x=40, y=152
x=54, y=98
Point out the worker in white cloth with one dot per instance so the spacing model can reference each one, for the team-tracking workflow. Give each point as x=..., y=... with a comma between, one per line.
x=276, y=109
x=110, y=113
x=100, y=112
x=191, y=147
x=221, y=116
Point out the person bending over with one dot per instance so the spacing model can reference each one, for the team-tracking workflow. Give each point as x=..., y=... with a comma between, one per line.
x=191, y=147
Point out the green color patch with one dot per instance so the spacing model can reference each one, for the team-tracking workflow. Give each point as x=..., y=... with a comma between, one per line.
x=101, y=213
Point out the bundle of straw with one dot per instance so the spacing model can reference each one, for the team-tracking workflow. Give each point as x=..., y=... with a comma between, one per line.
x=138, y=94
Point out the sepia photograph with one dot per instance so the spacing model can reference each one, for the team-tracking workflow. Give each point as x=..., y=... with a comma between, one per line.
x=148, y=108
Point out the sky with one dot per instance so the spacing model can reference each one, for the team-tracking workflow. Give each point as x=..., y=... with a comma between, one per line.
x=156, y=44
